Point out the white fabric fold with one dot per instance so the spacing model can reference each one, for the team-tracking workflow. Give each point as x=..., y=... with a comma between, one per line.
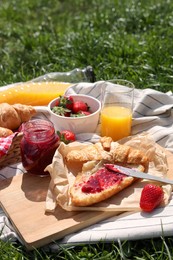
x=127, y=226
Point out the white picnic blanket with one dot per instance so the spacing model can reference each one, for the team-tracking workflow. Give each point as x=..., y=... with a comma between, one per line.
x=153, y=112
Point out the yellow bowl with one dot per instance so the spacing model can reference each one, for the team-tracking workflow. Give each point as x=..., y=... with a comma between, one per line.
x=33, y=93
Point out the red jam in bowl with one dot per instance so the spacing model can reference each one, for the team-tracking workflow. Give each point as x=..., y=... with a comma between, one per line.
x=102, y=179
x=38, y=146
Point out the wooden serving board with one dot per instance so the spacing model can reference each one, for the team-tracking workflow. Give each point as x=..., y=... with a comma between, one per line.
x=23, y=200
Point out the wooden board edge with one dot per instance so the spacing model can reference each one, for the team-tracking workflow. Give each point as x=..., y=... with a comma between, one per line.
x=31, y=245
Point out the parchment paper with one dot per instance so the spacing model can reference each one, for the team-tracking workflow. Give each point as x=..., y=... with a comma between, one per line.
x=63, y=175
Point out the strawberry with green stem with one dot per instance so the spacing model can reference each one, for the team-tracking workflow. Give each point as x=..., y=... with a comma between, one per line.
x=79, y=106
x=63, y=106
x=66, y=102
x=61, y=111
x=66, y=136
x=151, y=197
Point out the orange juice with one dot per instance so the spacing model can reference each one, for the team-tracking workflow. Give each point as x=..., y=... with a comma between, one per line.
x=116, y=122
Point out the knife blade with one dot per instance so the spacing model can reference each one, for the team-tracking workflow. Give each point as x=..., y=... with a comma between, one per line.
x=141, y=175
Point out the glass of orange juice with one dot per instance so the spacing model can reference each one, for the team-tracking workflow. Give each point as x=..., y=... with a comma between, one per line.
x=117, y=106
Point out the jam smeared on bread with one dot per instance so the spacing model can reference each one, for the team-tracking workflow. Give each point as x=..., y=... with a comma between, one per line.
x=97, y=183
x=102, y=179
x=99, y=178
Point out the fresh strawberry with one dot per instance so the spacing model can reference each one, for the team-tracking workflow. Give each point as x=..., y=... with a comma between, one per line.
x=81, y=114
x=66, y=102
x=56, y=103
x=61, y=111
x=80, y=106
x=151, y=197
x=84, y=113
x=66, y=136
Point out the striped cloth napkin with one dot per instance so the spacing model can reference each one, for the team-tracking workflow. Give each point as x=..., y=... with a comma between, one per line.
x=152, y=113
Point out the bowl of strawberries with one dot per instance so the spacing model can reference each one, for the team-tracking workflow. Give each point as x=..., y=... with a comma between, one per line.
x=78, y=113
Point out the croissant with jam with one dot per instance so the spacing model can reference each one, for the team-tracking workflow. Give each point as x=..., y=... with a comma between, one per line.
x=98, y=182
x=99, y=178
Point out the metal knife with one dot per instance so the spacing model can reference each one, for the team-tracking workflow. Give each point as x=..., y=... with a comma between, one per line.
x=141, y=175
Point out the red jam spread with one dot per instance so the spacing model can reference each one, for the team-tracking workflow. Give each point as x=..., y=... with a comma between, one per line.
x=102, y=179
x=38, y=146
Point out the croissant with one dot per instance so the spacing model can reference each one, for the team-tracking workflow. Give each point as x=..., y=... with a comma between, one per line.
x=97, y=183
x=12, y=116
x=89, y=153
x=121, y=154
x=4, y=132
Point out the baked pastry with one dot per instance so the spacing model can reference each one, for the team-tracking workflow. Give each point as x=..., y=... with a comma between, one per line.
x=89, y=153
x=106, y=142
x=12, y=116
x=101, y=180
x=128, y=156
x=118, y=154
x=4, y=132
x=97, y=183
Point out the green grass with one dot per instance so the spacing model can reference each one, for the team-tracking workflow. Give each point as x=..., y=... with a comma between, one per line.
x=151, y=249
x=121, y=39
x=129, y=39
